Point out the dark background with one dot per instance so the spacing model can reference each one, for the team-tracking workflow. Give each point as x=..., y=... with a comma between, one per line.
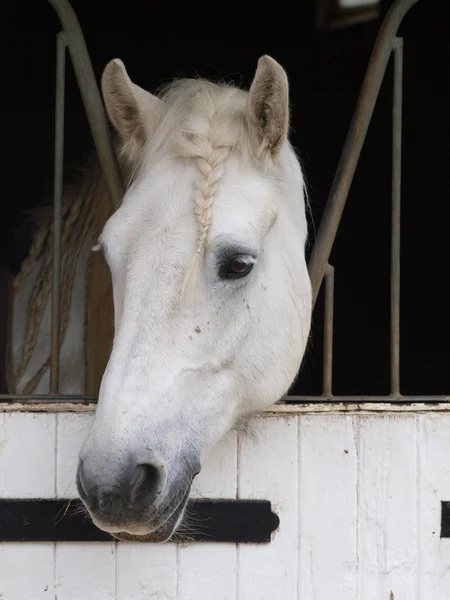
x=326, y=69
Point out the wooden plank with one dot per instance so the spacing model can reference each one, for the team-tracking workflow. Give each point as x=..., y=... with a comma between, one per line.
x=46, y=407
x=146, y=571
x=72, y=430
x=26, y=571
x=85, y=571
x=433, y=486
x=387, y=508
x=27, y=467
x=27, y=461
x=81, y=570
x=218, y=477
x=267, y=469
x=328, y=457
x=208, y=570
x=356, y=408
x=349, y=407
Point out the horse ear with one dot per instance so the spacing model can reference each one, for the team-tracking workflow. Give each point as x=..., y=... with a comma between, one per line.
x=132, y=111
x=268, y=105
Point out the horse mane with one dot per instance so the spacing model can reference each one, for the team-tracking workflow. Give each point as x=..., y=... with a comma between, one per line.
x=204, y=122
x=85, y=208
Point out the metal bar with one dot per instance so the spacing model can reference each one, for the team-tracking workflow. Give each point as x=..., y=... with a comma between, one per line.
x=354, y=142
x=91, y=99
x=218, y=520
x=396, y=216
x=57, y=209
x=328, y=332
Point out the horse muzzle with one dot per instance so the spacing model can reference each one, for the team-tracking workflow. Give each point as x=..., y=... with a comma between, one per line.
x=138, y=501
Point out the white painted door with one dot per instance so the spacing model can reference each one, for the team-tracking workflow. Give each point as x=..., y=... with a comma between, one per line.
x=358, y=496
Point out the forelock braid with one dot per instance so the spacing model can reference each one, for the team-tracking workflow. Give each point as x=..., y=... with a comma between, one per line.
x=211, y=168
x=210, y=162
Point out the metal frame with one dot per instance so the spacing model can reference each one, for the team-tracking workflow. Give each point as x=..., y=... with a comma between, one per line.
x=60, y=520
x=71, y=38
x=74, y=40
x=387, y=43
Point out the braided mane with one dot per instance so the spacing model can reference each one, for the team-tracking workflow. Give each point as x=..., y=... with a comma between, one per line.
x=205, y=122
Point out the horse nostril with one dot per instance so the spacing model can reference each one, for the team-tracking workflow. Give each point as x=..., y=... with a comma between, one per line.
x=146, y=483
x=136, y=484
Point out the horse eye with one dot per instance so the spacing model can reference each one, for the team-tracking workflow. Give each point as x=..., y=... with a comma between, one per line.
x=238, y=266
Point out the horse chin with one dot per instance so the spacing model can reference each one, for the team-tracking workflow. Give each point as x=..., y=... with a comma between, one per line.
x=164, y=532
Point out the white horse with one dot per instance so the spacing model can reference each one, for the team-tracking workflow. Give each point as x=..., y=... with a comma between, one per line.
x=212, y=299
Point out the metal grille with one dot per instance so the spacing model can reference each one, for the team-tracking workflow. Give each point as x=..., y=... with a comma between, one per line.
x=387, y=43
